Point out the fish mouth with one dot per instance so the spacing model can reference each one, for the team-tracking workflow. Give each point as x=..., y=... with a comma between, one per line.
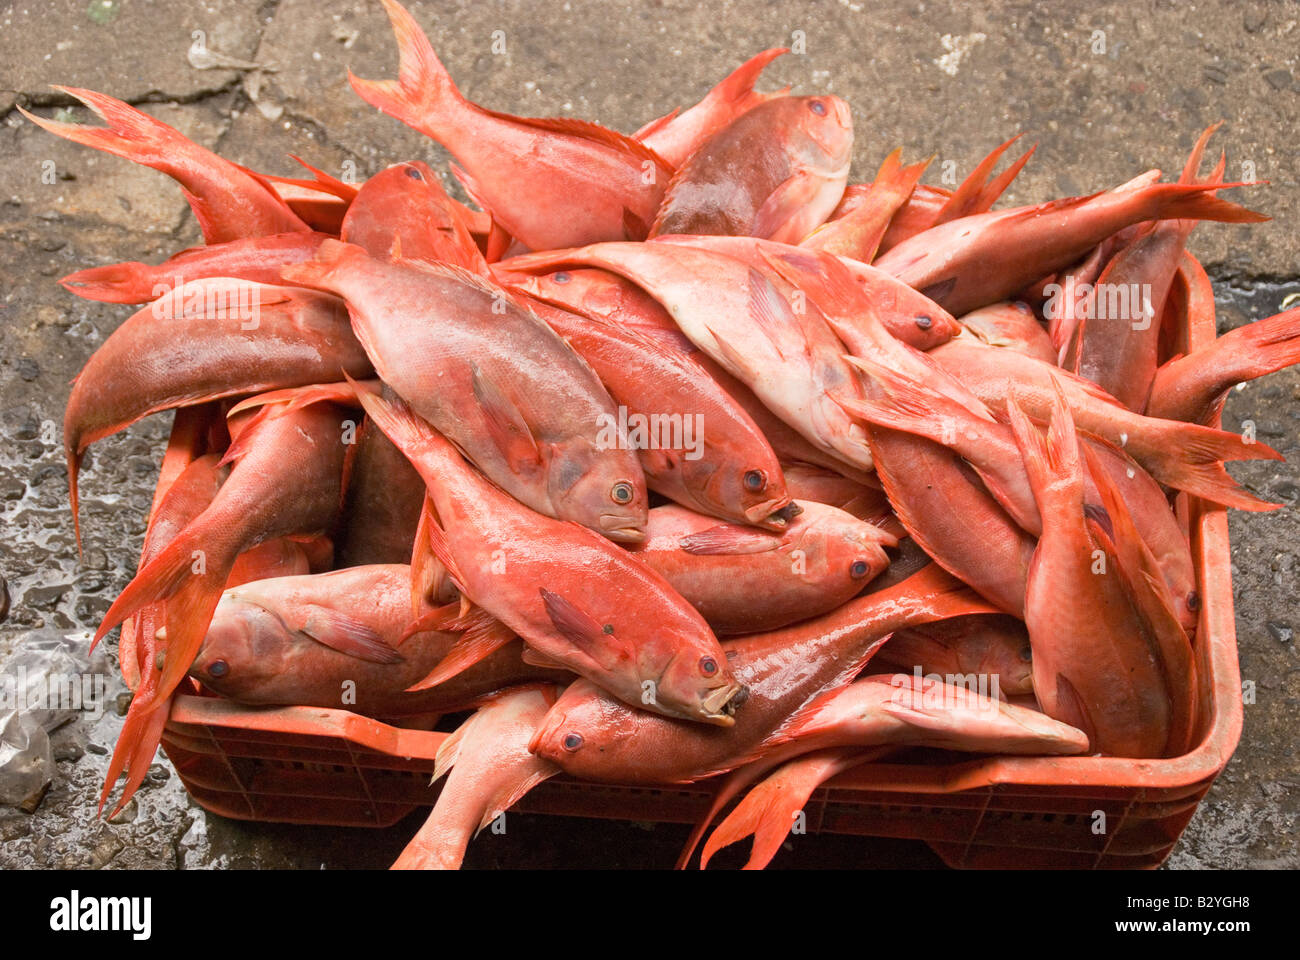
x=621, y=529
x=720, y=705
x=775, y=514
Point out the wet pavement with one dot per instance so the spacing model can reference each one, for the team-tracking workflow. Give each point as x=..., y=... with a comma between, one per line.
x=937, y=80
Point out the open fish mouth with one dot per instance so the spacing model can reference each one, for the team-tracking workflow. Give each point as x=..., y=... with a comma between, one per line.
x=720, y=705
x=774, y=514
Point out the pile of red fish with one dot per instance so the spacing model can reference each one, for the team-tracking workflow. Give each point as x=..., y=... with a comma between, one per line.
x=533, y=460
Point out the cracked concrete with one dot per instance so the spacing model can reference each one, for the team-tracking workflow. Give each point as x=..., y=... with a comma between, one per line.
x=945, y=79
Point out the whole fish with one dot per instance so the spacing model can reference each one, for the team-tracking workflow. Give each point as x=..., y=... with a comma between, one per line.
x=873, y=299
x=206, y=340
x=677, y=135
x=973, y=261
x=1185, y=456
x=992, y=646
x=748, y=324
x=286, y=480
x=593, y=737
x=744, y=580
x=1012, y=326
x=229, y=202
x=525, y=171
x=697, y=445
x=1192, y=387
x=491, y=769
x=256, y=259
x=288, y=640
x=776, y=171
x=898, y=710
x=1096, y=663
x=505, y=388
x=403, y=212
x=579, y=601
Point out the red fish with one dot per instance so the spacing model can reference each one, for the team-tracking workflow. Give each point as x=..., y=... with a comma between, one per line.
x=1012, y=326
x=1192, y=387
x=860, y=226
x=1097, y=662
x=404, y=213
x=335, y=640
x=974, y=261
x=1186, y=456
x=992, y=646
x=777, y=171
x=897, y=710
x=286, y=479
x=229, y=201
x=697, y=445
x=206, y=340
x=593, y=737
x=578, y=600
x=497, y=380
x=491, y=769
x=525, y=171
x=676, y=136
x=257, y=259
x=747, y=322
x=868, y=300
x=1117, y=342
x=744, y=580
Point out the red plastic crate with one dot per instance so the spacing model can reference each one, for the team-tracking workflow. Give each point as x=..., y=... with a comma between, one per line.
x=323, y=766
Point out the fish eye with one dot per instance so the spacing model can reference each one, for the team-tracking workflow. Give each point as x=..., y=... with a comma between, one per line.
x=572, y=741
x=755, y=480
x=817, y=107
x=1026, y=653
x=218, y=669
x=708, y=666
x=1193, y=601
x=924, y=321
x=622, y=492
x=561, y=277
x=414, y=174
x=858, y=570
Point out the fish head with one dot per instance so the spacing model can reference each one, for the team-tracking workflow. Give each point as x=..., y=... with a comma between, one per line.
x=404, y=211
x=836, y=547
x=1008, y=655
x=243, y=647
x=585, y=729
x=738, y=478
x=822, y=131
x=697, y=684
x=600, y=486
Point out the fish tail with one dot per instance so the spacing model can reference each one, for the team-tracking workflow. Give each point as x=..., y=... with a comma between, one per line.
x=739, y=84
x=1190, y=457
x=1196, y=201
x=111, y=283
x=428, y=575
x=769, y=810
x=206, y=178
x=423, y=91
x=136, y=747
x=1052, y=461
x=1255, y=350
x=976, y=194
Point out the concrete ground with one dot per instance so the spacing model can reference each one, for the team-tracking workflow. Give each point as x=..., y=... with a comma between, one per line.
x=1106, y=90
